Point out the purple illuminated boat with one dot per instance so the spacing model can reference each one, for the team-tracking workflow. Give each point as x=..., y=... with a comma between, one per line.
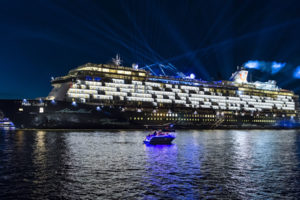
x=160, y=137
x=6, y=124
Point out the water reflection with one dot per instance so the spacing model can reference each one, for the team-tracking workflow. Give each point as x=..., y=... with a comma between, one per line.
x=171, y=170
x=259, y=161
x=116, y=164
x=40, y=149
x=19, y=139
x=161, y=161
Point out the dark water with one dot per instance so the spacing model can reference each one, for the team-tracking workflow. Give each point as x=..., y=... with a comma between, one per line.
x=116, y=165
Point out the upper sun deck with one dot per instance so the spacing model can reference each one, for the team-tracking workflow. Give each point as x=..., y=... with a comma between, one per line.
x=103, y=70
x=108, y=68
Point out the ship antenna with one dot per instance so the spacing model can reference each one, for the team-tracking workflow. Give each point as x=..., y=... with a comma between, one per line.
x=117, y=61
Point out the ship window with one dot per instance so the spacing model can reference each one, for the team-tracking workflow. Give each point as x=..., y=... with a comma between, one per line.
x=21, y=109
x=41, y=110
x=120, y=72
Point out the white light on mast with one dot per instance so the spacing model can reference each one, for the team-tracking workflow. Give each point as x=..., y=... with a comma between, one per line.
x=192, y=76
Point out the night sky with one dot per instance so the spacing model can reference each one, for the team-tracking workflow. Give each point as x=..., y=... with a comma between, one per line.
x=41, y=39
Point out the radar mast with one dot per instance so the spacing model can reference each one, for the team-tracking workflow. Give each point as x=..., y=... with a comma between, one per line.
x=117, y=60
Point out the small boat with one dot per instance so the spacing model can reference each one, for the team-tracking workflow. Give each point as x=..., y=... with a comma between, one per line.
x=160, y=137
x=6, y=124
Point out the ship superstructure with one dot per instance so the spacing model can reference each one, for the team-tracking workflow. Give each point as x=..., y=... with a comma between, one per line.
x=113, y=96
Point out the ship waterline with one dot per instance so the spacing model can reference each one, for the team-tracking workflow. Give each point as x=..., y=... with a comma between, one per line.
x=111, y=96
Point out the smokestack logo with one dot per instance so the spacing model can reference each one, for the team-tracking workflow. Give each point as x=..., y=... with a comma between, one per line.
x=243, y=76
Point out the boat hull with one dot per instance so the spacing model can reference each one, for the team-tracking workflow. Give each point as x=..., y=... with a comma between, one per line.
x=64, y=115
x=159, y=140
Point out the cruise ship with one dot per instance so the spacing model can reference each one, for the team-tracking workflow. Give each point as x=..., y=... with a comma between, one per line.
x=105, y=96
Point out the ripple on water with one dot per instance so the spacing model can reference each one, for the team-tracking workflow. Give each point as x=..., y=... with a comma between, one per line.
x=117, y=165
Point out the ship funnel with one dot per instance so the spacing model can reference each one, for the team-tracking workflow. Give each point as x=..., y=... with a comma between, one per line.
x=240, y=76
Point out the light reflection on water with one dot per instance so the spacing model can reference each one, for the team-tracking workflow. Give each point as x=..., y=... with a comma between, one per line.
x=116, y=164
